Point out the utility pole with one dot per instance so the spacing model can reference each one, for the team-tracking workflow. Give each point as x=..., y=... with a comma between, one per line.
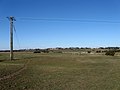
x=11, y=19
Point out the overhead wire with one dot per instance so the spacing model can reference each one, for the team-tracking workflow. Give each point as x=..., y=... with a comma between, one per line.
x=67, y=20
x=16, y=36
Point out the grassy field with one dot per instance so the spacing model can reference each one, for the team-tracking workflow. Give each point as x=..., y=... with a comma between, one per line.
x=60, y=72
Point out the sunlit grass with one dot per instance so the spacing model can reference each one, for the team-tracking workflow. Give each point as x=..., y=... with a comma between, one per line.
x=63, y=72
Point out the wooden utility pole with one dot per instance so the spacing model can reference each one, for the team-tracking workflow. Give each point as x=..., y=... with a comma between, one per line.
x=11, y=36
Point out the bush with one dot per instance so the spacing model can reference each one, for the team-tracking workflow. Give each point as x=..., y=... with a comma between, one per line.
x=98, y=51
x=110, y=53
x=89, y=51
x=41, y=51
x=36, y=52
x=45, y=51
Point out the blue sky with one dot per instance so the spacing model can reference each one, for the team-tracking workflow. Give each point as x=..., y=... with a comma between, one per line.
x=45, y=34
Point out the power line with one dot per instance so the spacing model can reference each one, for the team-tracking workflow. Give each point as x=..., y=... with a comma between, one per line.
x=67, y=20
x=1, y=19
x=16, y=36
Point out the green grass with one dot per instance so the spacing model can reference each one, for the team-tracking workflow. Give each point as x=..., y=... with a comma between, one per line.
x=61, y=72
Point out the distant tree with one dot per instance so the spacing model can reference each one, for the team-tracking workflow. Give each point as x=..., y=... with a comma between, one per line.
x=37, y=51
x=112, y=48
x=110, y=53
x=59, y=48
x=77, y=48
x=81, y=48
x=101, y=48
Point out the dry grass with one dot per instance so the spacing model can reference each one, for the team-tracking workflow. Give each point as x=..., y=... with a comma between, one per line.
x=63, y=72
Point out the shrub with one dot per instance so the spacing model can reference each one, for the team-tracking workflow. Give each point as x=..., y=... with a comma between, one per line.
x=36, y=52
x=45, y=51
x=89, y=51
x=110, y=53
x=98, y=51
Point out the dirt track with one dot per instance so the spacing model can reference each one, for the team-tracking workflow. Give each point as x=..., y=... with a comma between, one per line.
x=15, y=73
